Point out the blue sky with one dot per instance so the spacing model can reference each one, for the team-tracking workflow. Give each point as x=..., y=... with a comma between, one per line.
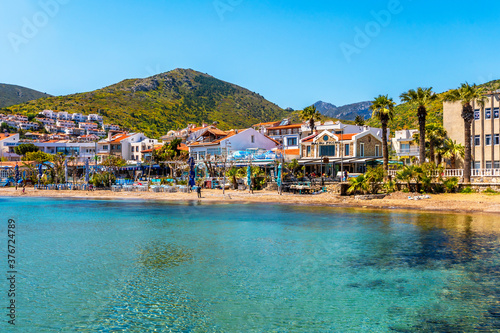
x=294, y=53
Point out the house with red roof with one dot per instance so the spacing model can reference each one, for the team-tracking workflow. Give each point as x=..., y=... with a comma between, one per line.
x=322, y=151
x=8, y=142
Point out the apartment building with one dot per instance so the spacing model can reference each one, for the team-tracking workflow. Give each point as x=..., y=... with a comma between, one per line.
x=485, y=131
x=405, y=146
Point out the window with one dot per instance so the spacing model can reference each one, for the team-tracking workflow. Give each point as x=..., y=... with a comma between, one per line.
x=308, y=151
x=214, y=151
x=477, y=165
x=253, y=139
x=104, y=147
x=132, y=149
x=487, y=140
x=137, y=148
x=495, y=113
x=325, y=138
x=496, y=165
x=496, y=139
x=488, y=164
x=291, y=142
x=377, y=150
x=347, y=149
x=361, y=149
x=326, y=151
x=405, y=148
x=477, y=140
x=487, y=113
x=477, y=112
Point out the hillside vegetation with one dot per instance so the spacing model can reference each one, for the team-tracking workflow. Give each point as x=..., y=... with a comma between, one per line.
x=12, y=94
x=165, y=101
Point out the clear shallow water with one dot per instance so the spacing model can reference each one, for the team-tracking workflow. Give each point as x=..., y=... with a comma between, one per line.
x=87, y=266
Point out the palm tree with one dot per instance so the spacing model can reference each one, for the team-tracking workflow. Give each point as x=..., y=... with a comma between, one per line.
x=453, y=150
x=436, y=135
x=466, y=95
x=358, y=185
x=310, y=114
x=383, y=110
x=420, y=99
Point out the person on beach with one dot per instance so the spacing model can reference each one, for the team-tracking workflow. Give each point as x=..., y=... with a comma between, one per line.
x=24, y=187
x=198, y=190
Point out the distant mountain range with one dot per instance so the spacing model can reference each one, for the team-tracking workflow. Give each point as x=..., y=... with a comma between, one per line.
x=346, y=112
x=12, y=95
x=162, y=102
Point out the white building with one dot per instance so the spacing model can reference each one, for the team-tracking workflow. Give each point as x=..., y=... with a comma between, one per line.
x=94, y=117
x=404, y=144
x=87, y=126
x=27, y=125
x=80, y=150
x=108, y=127
x=65, y=123
x=49, y=114
x=78, y=117
x=119, y=145
x=8, y=143
x=63, y=115
x=137, y=148
x=217, y=143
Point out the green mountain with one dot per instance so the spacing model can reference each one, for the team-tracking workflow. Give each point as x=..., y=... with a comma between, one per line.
x=171, y=100
x=406, y=116
x=12, y=95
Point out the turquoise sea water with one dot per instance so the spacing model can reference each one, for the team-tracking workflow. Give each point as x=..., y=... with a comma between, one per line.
x=136, y=266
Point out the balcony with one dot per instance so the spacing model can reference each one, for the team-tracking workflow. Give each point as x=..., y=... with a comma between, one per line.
x=407, y=152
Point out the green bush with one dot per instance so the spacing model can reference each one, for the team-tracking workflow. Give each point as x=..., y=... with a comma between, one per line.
x=450, y=184
x=489, y=190
x=467, y=190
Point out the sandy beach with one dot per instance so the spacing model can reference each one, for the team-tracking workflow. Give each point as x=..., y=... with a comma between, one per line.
x=454, y=203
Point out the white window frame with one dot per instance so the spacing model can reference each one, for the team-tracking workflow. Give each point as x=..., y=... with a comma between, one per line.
x=361, y=150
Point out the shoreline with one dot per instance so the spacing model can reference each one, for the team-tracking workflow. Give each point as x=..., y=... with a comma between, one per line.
x=442, y=203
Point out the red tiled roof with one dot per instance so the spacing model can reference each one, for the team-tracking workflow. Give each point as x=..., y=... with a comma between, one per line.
x=266, y=124
x=6, y=136
x=285, y=127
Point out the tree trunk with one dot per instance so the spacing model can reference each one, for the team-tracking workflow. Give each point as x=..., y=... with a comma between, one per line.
x=385, y=149
x=468, y=117
x=311, y=124
x=421, y=123
x=432, y=156
x=468, y=151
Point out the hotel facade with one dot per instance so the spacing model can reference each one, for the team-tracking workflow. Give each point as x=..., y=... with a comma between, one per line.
x=485, y=130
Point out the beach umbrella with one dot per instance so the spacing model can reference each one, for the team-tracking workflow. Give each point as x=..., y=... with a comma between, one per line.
x=192, y=173
x=87, y=171
x=249, y=176
x=65, y=171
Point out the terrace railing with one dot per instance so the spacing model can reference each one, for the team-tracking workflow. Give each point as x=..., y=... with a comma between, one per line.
x=460, y=173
